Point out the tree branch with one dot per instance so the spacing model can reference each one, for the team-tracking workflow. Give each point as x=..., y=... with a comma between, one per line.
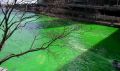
x=43, y=47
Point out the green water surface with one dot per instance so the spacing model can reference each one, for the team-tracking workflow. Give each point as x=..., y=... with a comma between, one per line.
x=89, y=47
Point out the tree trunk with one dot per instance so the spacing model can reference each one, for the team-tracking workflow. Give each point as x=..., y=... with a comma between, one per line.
x=0, y=47
x=3, y=39
x=1, y=44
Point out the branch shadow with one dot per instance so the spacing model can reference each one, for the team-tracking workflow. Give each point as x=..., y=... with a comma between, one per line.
x=99, y=57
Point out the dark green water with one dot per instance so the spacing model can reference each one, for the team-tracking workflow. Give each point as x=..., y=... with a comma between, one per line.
x=89, y=48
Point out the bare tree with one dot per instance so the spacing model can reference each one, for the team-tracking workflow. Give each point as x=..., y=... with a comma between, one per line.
x=7, y=24
x=44, y=46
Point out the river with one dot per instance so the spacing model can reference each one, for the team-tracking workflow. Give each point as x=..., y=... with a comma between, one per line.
x=90, y=47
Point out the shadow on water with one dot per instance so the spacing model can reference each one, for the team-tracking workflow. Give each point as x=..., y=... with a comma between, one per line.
x=61, y=23
x=56, y=23
x=66, y=22
x=99, y=57
x=48, y=24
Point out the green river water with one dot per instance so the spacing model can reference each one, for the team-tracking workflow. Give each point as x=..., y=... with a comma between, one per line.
x=90, y=47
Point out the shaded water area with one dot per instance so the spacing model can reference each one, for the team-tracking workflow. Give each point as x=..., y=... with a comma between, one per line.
x=90, y=47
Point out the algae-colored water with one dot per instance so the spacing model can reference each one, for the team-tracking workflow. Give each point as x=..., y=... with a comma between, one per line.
x=90, y=47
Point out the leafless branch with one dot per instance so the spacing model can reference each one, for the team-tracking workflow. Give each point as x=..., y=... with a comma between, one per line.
x=8, y=25
x=43, y=47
